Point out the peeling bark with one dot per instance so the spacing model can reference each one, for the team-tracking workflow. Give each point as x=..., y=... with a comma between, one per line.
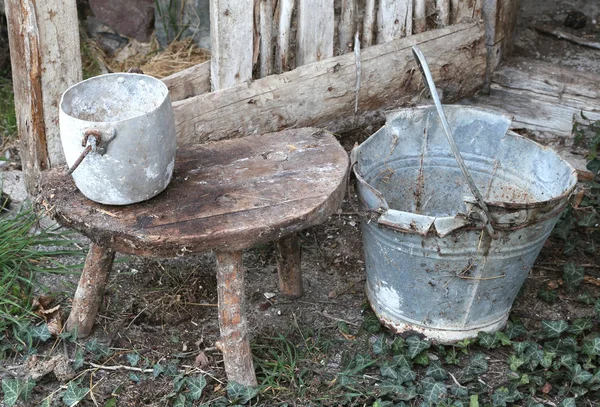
x=234, y=341
x=90, y=290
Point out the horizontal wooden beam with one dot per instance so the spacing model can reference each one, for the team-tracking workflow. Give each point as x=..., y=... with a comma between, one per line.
x=323, y=93
x=190, y=82
x=542, y=96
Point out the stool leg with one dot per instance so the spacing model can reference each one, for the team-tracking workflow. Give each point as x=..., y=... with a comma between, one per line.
x=90, y=290
x=234, y=341
x=288, y=266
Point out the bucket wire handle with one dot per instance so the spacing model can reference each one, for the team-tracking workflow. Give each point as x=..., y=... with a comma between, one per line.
x=424, y=68
x=89, y=146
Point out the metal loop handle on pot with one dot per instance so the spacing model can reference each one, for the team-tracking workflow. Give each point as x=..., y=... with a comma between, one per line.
x=92, y=141
x=424, y=68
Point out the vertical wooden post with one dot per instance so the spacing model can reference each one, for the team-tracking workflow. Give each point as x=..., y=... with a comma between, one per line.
x=500, y=17
x=232, y=35
x=315, y=31
x=45, y=59
x=347, y=26
x=443, y=12
x=420, y=16
x=234, y=341
x=288, y=266
x=266, y=37
x=368, y=24
x=90, y=290
x=394, y=19
x=284, y=27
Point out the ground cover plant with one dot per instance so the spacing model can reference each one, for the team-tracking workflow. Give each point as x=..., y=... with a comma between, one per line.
x=552, y=360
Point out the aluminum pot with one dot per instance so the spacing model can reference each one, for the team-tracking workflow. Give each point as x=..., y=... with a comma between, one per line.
x=123, y=126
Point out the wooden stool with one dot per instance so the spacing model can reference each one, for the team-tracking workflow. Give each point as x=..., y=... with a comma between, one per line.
x=225, y=196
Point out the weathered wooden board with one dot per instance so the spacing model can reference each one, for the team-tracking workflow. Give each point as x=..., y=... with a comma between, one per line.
x=44, y=48
x=266, y=37
x=323, y=94
x=189, y=82
x=368, y=24
x=285, y=9
x=225, y=196
x=466, y=10
x=231, y=34
x=443, y=12
x=542, y=96
x=347, y=26
x=394, y=19
x=314, y=38
x=420, y=16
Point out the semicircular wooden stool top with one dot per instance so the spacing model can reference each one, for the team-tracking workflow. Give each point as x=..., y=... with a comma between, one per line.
x=224, y=196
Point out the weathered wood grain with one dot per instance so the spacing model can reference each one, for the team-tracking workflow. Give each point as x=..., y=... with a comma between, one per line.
x=189, y=82
x=542, y=96
x=420, y=16
x=92, y=283
x=394, y=19
x=443, y=12
x=466, y=10
x=368, y=24
x=314, y=38
x=284, y=32
x=323, y=93
x=44, y=48
x=288, y=254
x=266, y=37
x=234, y=341
x=225, y=196
x=231, y=34
x=347, y=26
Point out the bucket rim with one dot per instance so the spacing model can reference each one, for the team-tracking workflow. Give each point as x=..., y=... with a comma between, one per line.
x=409, y=222
x=166, y=97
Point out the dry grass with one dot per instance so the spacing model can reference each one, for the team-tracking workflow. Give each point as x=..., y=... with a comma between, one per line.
x=154, y=61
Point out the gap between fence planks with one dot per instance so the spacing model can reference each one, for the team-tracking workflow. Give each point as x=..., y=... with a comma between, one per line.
x=323, y=93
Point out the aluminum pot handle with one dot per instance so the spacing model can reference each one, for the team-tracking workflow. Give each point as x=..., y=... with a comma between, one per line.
x=93, y=141
x=428, y=78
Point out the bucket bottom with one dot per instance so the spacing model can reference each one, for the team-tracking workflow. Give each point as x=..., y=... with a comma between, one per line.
x=437, y=335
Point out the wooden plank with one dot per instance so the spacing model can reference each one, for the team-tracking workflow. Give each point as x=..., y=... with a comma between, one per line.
x=394, y=19
x=347, y=26
x=543, y=97
x=61, y=64
x=465, y=10
x=231, y=32
x=44, y=48
x=443, y=12
x=368, y=23
x=266, y=37
x=288, y=255
x=420, y=16
x=315, y=31
x=24, y=42
x=189, y=82
x=284, y=28
x=323, y=94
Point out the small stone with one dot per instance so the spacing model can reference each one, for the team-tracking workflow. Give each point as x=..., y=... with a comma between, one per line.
x=575, y=19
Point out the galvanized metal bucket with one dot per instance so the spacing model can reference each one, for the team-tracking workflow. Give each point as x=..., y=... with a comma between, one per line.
x=432, y=266
x=118, y=136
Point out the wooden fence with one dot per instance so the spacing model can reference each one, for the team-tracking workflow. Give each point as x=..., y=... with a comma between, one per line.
x=275, y=64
